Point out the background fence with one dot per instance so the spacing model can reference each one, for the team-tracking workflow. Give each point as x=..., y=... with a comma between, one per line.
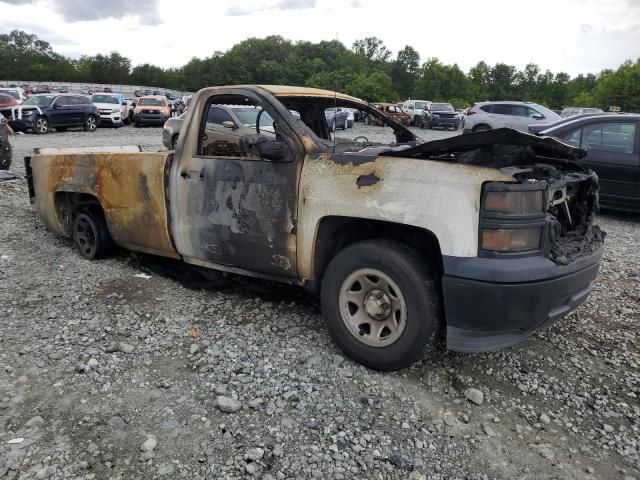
x=126, y=90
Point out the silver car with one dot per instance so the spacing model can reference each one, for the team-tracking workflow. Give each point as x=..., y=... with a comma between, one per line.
x=517, y=115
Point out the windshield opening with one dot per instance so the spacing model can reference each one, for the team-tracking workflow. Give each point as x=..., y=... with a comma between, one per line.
x=40, y=100
x=13, y=93
x=421, y=105
x=442, y=107
x=151, y=102
x=104, y=99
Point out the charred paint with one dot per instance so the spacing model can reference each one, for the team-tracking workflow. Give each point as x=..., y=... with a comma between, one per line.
x=128, y=186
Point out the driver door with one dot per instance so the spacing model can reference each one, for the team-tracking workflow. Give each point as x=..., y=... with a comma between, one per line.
x=232, y=209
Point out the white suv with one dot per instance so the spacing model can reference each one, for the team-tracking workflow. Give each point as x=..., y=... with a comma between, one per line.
x=518, y=115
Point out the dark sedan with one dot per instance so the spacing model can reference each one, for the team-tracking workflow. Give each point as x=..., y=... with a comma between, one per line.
x=612, y=143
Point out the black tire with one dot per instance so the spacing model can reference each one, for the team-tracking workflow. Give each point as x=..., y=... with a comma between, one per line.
x=90, y=124
x=61, y=129
x=174, y=141
x=91, y=235
x=419, y=290
x=481, y=128
x=417, y=120
x=41, y=125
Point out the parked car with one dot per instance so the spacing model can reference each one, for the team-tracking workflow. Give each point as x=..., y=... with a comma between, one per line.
x=440, y=115
x=336, y=118
x=107, y=90
x=572, y=111
x=131, y=106
x=28, y=89
x=63, y=89
x=7, y=101
x=17, y=92
x=42, y=89
x=612, y=143
x=40, y=113
x=536, y=128
x=151, y=110
x=227, y=123
x=398, y=244
x=350, y=117
x=112, y=108
x=518, y=115
x=415, y=109
x=86, y=90
x=393, y=111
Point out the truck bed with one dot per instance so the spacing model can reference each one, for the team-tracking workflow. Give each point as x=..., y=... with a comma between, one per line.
x=128, y=184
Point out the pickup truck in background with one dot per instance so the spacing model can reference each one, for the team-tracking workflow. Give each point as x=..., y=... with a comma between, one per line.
x=480, y=239
x=415, y=109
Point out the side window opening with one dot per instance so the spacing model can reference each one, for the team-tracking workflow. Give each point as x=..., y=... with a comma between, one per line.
x=232, y=127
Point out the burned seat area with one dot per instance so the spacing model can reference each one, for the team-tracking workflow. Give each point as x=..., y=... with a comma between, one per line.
x=569, y=190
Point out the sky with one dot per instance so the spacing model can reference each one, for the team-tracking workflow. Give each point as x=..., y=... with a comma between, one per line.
x=574, y=36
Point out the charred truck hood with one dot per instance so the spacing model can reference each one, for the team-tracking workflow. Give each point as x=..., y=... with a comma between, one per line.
x=569, y=190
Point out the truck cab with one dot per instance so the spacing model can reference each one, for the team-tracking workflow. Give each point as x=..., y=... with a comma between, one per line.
x=475, y=240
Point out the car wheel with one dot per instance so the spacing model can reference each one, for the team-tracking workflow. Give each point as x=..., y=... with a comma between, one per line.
x=174, y=141
x=90, y=124
x=381, y=304
x=91, y=235
x=481, y=128
x=42, y=126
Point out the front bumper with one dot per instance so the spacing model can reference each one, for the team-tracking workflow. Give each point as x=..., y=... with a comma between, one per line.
x=25, y=123
x=492, y=304
x=150, y=118
x=110, y=119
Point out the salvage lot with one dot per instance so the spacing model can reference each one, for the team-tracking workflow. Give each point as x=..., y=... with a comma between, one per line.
x=98, y=365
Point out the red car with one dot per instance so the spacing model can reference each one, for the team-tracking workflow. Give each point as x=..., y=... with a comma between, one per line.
x=7, y=101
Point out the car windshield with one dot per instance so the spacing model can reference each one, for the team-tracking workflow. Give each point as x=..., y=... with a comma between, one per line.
x=247, y=117
x=442, y=107
x=39, y=100
x=421, y=105
x=104, y=99
x=13, y=93
x=549, y=114
x=151, y=102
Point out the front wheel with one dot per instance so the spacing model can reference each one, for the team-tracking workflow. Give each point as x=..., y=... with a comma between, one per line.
x=91, y=235
x=42, y=126
x=90, y=124
x=381, y=304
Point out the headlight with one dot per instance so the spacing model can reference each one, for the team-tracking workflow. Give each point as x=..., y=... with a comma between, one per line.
x=511, y=239
x=514, y=203
x=27, y=113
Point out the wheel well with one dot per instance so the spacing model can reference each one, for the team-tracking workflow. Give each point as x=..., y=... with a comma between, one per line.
x=68, y=204
x=475, y=127
x=336, y=233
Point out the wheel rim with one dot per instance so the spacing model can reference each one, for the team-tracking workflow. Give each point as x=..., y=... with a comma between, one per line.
x=91, y=123
x=372, y=307
x=42, y=125
x=85, y=236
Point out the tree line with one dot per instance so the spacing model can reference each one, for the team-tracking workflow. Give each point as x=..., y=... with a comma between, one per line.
x=368, y=70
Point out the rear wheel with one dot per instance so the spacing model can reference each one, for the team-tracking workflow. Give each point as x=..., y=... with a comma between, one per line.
x=90, y=124
x=91, y=235
x=41, y=126
x=381, y=303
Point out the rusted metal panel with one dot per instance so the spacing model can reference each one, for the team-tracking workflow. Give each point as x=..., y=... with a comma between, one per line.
x=129, y=187
x=437, y=196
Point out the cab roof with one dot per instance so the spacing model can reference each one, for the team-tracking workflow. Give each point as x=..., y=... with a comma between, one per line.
x=290, y=91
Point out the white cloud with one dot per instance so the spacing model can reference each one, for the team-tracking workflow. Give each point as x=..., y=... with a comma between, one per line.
x=573, y=35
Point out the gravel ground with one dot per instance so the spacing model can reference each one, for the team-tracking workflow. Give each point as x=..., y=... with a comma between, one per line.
x=107, y=375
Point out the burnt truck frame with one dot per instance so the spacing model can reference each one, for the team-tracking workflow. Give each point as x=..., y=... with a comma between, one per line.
x=486, y=237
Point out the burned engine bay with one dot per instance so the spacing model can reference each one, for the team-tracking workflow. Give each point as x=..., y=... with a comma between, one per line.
x=571, y=190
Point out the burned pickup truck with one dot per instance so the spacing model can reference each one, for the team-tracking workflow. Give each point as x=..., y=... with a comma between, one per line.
x=479, y=239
